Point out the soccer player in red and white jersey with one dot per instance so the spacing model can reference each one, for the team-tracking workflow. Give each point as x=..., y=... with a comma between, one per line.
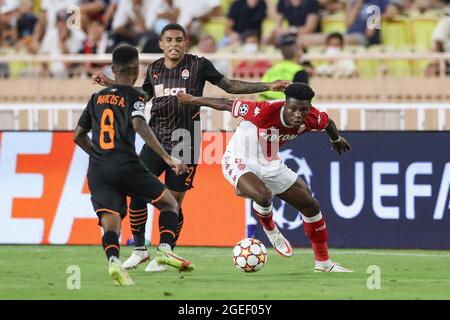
x=252, y=165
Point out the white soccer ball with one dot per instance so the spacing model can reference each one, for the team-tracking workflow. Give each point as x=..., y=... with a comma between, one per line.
x=249, y=255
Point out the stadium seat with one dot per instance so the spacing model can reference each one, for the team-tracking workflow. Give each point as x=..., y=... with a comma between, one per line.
x=396, y=33
x=216, y=28
x=422, y=30
x=269, y=24
x=334, y=23
x=370, y=68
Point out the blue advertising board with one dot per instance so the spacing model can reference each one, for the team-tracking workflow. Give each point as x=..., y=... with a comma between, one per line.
x=391, y=191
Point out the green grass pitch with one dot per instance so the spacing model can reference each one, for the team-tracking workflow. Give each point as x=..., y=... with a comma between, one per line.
x=40, y=272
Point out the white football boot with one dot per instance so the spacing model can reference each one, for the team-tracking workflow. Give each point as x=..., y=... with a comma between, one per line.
x=118, y=273
x=279, y=242
x=329, y=266
x=154, y=266
x=136, y=258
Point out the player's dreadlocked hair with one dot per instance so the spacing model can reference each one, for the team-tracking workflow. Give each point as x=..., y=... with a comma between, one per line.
x=173, y=26
x=124, y=54
x=299, y=91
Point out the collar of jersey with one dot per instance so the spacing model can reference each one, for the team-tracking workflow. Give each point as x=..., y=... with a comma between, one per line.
x=282, y=120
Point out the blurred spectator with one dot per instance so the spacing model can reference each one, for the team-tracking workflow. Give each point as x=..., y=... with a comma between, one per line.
x=303, y=15
x=288, y=69
x=339, y=68
x=197, y=12
x=62, y=40
x=8, y=14
x=441, y=42
x=136, y=20
x=303, y=19
x=250, y=47
x=207, y=45
x=26, y=22
x=358, y=13
x=93, y=10
x=47, y=19
x=96, y=40
x=244, y=15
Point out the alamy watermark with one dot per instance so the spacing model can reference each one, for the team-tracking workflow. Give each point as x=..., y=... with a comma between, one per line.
x=74, y=279
x=374, y=280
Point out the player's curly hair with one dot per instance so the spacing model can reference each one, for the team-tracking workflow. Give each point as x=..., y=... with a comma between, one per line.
x=299, y=91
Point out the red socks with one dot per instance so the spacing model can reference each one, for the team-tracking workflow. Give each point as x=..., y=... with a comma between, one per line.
x=265, y=216
x=316, y=231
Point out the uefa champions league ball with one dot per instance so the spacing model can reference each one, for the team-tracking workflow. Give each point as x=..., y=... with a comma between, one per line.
x=249, y=255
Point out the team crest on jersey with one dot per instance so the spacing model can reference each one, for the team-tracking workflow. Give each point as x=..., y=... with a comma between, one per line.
x=139, y=105
x=185, y=74
x=243, y=109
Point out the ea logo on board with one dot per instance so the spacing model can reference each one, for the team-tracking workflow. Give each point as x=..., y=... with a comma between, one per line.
x=185, y=74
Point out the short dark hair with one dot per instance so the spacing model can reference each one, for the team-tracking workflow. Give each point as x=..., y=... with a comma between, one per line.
x=336, y=35
x=299, y=91
x=124, y=54
x=173, y=26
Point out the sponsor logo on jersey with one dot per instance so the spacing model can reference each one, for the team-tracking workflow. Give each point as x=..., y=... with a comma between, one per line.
x=185, y=74
x=272, y=134
x=241, y=166
x=173, y=91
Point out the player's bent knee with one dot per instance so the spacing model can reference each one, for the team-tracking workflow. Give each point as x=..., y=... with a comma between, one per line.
x=167, y=203
x=262, y=196
x=311, y=207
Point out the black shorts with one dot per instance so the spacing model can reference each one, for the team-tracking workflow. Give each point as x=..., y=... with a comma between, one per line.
x=110, y=186
x=157, y=166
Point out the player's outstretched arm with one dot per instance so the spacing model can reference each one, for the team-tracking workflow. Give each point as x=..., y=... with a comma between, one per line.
x=81, y=138
x=142, y=128
x=244, y=87
x=338, y=143
x=221, y=104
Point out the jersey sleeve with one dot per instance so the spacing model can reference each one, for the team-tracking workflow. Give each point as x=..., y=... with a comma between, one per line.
x=86, y=118
x=210, y=72
x=147, y=86
x=138, y=107
x=316, y=120
x=253, y=111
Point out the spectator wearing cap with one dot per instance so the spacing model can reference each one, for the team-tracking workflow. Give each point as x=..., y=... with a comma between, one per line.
x=244, y=15
x=288, y=69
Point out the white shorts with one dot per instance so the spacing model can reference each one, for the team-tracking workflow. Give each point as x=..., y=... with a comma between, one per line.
x=277, y=176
